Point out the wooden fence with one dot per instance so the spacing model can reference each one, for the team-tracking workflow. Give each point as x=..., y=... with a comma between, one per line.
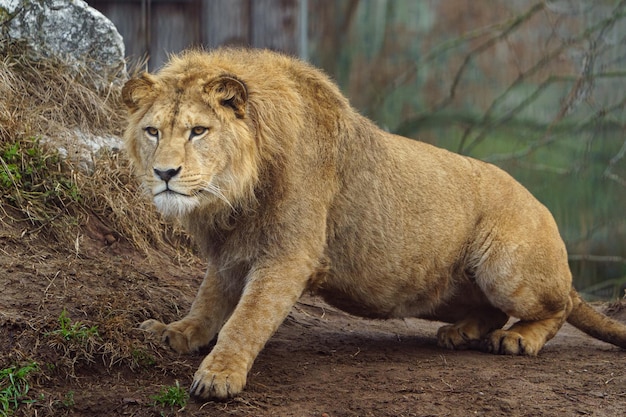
x=154, y=28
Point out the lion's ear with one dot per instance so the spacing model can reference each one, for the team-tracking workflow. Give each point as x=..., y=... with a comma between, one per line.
x=230, y=92
x=137, y=90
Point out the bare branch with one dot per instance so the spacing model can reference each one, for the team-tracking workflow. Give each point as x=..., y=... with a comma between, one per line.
x=608, y=173
x=487, y=125
x=597, y=258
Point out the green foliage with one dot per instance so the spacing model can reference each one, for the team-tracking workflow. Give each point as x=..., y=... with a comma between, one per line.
x=73, y=331
x=14, y=386
x=173, y=396
x=29, y=172
x=37, y=185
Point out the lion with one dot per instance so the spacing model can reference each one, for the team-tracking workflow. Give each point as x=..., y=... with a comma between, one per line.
x=286, y=188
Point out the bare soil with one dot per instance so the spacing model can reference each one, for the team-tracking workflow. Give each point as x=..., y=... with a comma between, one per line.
x=321, y=362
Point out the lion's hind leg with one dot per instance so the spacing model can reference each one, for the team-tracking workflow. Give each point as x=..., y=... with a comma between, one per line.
x=484, y=332
x=471, y=331
x=530, y=281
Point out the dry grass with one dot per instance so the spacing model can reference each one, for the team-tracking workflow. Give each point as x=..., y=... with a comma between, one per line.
x=43, y=103
x=49, y=209
x=45, y=98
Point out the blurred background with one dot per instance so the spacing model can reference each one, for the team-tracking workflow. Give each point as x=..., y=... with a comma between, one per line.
x=536, y=87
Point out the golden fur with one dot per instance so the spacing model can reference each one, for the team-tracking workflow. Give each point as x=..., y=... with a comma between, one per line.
x=286, y=188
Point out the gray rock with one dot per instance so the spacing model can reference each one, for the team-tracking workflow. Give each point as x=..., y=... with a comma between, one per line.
x=68, y=30
x=82, y=148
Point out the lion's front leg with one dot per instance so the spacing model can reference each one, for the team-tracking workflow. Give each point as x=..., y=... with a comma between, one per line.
x=265, y=302
x=209, y=310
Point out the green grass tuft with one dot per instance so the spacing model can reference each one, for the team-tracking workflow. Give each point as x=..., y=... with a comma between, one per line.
x=14, y=386
x=76, y=331
x=173, y=396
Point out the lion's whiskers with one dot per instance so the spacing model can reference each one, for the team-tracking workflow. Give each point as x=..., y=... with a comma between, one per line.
x=216, y=191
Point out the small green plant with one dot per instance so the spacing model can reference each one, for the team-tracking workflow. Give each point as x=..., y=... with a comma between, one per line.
x=173, y=396
x=68, y=401
x=142, y=358
x=14, y=387
x=76, y=331
x=10, y=175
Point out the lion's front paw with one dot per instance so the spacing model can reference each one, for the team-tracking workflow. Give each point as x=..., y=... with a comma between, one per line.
x=506, y=342
x=153, y=326
x=218, y=380
x=184, y=336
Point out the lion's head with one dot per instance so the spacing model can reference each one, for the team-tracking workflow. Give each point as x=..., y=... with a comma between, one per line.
x=190, y=136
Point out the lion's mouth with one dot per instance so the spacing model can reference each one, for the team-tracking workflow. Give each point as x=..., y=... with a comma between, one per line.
x=166, y=190
x=165, y=195
x=169, y=191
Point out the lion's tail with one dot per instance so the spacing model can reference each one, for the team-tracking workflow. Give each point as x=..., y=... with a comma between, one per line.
x=590, y=321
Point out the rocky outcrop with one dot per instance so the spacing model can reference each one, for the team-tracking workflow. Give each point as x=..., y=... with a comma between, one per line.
x=68, y=30
x=76, y=38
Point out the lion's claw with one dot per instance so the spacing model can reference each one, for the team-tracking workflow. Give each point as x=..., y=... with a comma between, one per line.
x=197, y=388
x=220, y=385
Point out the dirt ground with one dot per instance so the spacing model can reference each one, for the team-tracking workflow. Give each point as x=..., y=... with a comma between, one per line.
x=321, y=362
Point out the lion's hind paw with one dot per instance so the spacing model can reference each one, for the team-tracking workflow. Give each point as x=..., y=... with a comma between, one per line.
x=451, y=337
x=507, y=342
x=459, y=336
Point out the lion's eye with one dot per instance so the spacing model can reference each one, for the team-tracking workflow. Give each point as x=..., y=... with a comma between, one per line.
x=152, y=131
x=197, y=131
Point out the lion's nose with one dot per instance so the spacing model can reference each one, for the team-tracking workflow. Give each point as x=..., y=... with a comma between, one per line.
x=167, y=174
